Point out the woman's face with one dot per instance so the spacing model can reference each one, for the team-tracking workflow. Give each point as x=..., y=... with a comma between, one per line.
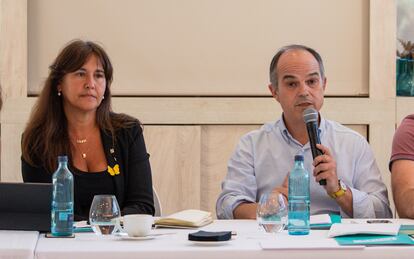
x=83, y=89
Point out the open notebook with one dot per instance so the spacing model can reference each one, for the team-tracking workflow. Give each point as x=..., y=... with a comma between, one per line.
x=186, y=218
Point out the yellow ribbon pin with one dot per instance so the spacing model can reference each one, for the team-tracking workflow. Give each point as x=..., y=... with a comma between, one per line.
x=113, y=171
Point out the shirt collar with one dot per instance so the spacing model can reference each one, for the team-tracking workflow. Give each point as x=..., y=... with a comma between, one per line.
x=288, y=137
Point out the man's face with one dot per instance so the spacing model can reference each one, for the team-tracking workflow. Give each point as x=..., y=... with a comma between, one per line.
x=299, y=84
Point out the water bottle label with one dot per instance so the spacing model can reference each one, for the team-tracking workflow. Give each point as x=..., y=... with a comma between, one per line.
x=65, y=216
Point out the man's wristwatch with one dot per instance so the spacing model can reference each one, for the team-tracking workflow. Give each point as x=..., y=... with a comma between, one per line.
x=341, y=191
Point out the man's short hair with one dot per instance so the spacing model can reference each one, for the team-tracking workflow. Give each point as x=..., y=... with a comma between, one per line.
x=275, y=61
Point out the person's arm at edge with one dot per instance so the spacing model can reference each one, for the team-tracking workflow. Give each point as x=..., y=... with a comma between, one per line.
x=239, y=188
x=402, y=180
x=245, y=210
x=369, y=192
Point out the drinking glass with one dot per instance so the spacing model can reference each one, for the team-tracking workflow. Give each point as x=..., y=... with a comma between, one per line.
x=272, y=212
x=104, y=215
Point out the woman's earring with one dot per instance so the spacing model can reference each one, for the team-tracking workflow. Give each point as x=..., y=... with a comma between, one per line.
x=59, y=93
x=103, y=97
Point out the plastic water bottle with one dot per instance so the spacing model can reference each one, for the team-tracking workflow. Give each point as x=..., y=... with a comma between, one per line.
x=299, y=199
x=62, y=200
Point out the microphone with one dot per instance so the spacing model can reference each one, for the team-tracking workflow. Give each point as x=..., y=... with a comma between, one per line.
x=310, y=116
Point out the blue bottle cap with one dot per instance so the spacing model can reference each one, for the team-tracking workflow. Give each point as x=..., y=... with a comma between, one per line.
x=299, y=158
x=62, y=159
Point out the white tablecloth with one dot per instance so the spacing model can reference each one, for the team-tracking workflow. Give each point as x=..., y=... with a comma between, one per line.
x=18, y=244
x=246, y=244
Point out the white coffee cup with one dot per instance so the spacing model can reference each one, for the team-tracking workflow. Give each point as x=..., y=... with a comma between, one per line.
x=138, y=225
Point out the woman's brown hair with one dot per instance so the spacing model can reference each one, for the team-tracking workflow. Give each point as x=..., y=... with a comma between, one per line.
x=46, y=136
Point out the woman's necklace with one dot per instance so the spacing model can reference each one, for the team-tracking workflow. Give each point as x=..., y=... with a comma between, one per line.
x=79, y=143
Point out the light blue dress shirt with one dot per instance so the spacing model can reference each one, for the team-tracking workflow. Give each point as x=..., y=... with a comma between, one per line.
x=264, y=157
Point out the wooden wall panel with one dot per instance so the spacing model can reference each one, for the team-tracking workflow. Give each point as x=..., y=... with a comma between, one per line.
x=361, y=129
x=383, y=23
x=405, y=106
x=11, y=152
x=175, y=162
x=13, y=48
x=217, y=144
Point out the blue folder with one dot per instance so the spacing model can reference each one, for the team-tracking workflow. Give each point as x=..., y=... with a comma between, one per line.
x=400, y=239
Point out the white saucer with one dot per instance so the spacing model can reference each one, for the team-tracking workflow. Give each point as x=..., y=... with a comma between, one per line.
x=126, y=237
x=210, y=243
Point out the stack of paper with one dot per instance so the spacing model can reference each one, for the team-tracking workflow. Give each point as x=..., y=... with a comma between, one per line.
x=320, y=219
x=186, y=218
x=371, y=229
x=324, y=221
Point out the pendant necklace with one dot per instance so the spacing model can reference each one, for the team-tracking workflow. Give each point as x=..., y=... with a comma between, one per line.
x=80, y=142
x=83, y=153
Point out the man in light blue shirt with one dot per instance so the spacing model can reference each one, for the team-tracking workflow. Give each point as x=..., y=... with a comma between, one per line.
x=263, y=158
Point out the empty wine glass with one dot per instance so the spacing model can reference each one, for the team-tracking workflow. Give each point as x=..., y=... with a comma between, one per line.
x=104, y=215
x=272, y=212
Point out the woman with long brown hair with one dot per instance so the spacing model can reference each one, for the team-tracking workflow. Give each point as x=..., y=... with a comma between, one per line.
x=73, y=117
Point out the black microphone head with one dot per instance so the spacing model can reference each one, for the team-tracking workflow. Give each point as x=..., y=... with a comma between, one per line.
x=310, y=115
